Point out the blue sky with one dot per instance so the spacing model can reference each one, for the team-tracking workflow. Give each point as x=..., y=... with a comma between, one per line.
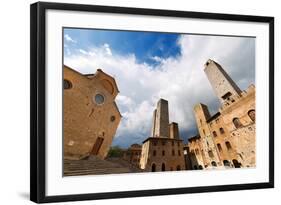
x=148, y=66
x=145, y=45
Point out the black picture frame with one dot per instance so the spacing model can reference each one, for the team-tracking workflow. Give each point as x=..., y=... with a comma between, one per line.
x=38, y=100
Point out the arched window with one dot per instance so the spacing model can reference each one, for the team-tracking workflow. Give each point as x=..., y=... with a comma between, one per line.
x=195, y=167
x=214, y=164
x=179, y=152
x=173, y=143
x=221, y=130
x=236, y=163
x=200, y=167
x=226, y=163
x=228, y=145
x=163, y=167
x=67, y=84
x=215, y=133
x=237, y=123
x=173, y=152
x=219, y=147
x=196, y=151
x=211, y=154
x=154, y=152
x=163, y=153
x=153, y=168
x=252, y=115
x=178, y=167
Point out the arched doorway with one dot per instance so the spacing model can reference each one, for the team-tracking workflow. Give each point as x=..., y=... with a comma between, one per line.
x=200, y=167
x=236, y=163
x=226, y=163
x=163, y=167
x=214, y=164
x=153, y=168
x=178, y=168
x=195, y=167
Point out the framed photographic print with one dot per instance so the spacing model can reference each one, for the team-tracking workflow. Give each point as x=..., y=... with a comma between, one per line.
x=129, y=102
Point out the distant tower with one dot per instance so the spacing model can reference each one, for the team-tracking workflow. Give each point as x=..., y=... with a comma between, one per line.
x=224, y=87
x=160, y=127
x=202, y=114
x=174, y=130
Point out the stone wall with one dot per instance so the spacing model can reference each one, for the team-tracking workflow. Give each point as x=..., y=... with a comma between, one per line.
x=230, y=133
x=90, y=115
x=162, y=153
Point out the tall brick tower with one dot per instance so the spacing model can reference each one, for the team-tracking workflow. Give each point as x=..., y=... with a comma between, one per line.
x=174, y=130
x=202, y=114
x=225, y=88
x=160, y=125
x=163, y=149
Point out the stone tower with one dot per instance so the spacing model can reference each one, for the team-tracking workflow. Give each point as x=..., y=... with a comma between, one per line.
x=225, y=88
x=202, y=114
x=174, y=130
x=163, y=149
x=160, y=125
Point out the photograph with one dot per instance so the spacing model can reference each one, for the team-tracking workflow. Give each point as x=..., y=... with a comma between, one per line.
x=145, y=101
x=134, y=102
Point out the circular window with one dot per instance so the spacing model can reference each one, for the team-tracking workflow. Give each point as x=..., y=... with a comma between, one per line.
x=99, y=99
x=112, y=118
x=67, y=84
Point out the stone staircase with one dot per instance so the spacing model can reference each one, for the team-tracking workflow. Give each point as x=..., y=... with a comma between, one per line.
x=124, y=163
x=94, y=165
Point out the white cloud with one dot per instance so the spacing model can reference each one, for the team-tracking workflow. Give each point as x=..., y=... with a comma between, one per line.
x=69, y=39
x=83, y=51
x=181, y=80
x=157, y=59
x=107, y=49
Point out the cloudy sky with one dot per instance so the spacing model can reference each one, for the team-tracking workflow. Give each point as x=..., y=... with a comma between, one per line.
x=149, y=65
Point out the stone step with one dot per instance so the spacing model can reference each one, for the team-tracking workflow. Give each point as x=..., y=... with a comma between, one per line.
x=93, y=165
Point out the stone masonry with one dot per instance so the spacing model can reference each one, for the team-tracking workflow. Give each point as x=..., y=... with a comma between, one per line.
x=227, y=138
x=163, y=150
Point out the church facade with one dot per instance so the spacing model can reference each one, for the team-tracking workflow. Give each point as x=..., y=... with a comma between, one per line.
x=227, y=138
x=90, y=114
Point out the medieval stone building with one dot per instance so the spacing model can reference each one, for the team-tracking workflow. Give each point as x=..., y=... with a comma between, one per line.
x=90, y=114
x=163, y=150
x=227, y=138
x=133, y=154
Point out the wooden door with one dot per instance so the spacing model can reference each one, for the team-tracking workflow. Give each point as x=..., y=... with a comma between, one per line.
x=97, y=146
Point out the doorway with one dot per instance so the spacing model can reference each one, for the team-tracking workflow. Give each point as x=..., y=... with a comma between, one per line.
x=236, y=163
x=97, y=146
